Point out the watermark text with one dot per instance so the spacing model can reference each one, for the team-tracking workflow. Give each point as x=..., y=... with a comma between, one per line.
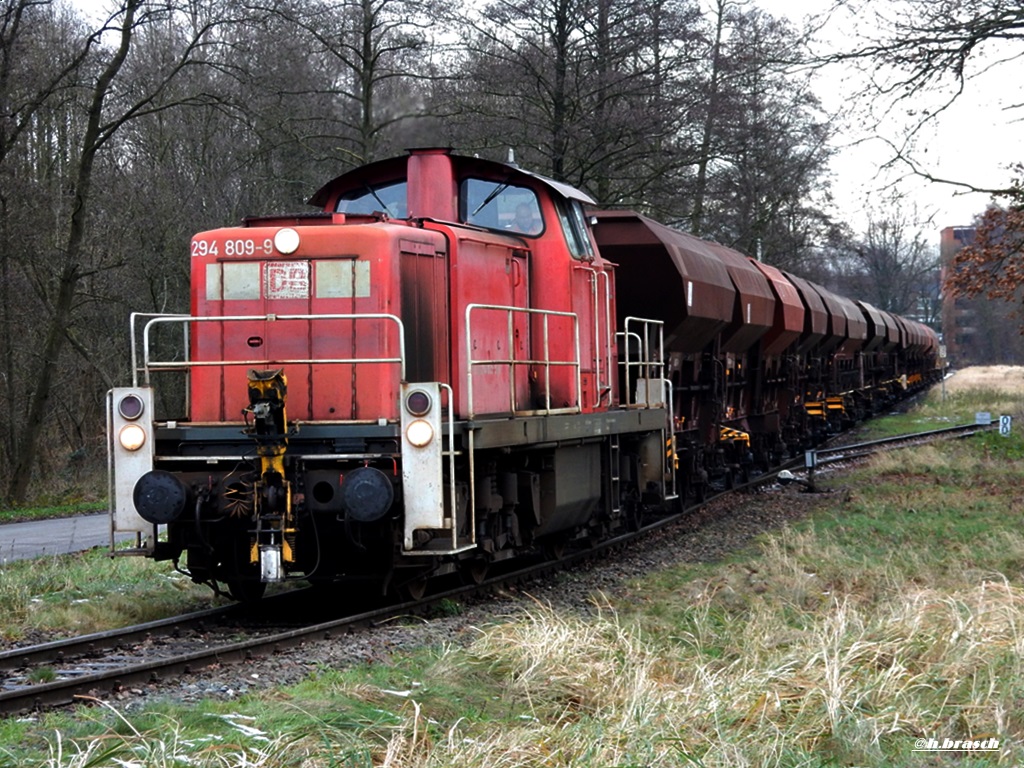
x=956, y=745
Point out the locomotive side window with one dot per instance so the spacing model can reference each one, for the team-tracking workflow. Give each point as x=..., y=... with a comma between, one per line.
x=574, y=225
x=368, y=199
x=498, y=205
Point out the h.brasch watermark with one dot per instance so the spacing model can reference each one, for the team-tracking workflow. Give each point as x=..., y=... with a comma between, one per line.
x=956, y=745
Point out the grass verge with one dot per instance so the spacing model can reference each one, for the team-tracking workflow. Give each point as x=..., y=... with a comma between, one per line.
x=49, y=512
x=996, y=390
x=88, y=592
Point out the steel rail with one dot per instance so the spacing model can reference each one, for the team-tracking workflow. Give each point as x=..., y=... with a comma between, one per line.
x=57, y=651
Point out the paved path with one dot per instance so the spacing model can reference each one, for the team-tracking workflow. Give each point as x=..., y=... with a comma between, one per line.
x=39, y=538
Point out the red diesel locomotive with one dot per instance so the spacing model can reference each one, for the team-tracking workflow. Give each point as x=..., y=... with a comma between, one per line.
x=456, y=362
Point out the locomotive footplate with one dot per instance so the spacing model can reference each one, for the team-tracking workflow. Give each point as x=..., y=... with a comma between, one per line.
x=561, y=428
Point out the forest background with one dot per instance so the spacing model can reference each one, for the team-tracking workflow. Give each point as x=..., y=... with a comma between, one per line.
x=123, y=134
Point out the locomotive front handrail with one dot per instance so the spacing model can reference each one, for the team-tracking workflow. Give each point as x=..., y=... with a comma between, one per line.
x=512, y=362
x=133, y=340
x=149, y=365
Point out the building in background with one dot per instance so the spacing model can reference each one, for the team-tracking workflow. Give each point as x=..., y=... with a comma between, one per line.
x=978, y=331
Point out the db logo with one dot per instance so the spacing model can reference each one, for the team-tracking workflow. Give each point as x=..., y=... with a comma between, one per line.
x=287, y=281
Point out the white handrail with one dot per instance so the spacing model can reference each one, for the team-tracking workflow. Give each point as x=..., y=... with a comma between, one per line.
x=149, y=364
x=545, y=360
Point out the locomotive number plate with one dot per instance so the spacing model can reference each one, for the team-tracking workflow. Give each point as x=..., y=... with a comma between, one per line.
x=236, y=247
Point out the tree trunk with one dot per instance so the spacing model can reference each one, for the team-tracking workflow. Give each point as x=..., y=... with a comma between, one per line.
x=704, y=159
x=70, y=272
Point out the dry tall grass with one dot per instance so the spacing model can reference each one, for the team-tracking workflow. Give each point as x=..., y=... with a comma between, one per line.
x=1005, y=378
x=598, y=693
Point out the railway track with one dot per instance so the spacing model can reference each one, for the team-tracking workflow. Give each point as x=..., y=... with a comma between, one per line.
x=56, y=673
x=849, y=453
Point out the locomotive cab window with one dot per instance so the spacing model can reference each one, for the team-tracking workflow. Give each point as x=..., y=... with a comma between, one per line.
x=368, y=199
x=501, y=206
x=574, y=225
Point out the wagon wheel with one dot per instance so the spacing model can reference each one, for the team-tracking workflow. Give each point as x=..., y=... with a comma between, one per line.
x=700, y=491
x=555, y=546
x=633, y=514
x=730, y=480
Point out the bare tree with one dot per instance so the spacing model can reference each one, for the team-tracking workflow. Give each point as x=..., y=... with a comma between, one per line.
x=110, y=101
x=374, y=59
x=893, y=266
x=931, y=48
x=762, y=181
x=580, y=88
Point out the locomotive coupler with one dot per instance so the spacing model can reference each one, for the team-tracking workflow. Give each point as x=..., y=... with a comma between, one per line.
x=273, y=542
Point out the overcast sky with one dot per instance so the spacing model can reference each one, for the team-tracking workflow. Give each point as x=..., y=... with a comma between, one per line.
x=974, y=141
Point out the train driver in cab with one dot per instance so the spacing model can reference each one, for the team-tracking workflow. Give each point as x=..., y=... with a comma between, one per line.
x=527, y=219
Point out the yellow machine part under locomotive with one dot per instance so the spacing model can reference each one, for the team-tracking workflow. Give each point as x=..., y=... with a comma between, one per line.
x=268, y=393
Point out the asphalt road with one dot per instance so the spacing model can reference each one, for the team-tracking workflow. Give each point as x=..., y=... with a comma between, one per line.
x=39, y=538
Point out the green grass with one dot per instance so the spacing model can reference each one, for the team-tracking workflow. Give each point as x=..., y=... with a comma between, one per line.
x=936, y=410
x=894, y=612
x=47, y=512
x=89, y=592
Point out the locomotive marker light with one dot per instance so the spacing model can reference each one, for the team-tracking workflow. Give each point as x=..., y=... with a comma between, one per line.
x=129, y=457
x=131, y=437
x=419, y=433
x=131, y=407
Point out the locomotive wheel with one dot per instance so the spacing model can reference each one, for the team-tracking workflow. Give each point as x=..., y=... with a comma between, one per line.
x=414, y=589
x=476, y=571
x=246, y=590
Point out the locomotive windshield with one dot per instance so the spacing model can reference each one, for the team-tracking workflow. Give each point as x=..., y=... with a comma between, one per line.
x=500, y=205
x=383, y=198
x=574, y=224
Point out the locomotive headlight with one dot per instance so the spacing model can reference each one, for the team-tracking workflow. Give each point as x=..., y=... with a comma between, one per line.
x=419, y=433
x=132, y=437
x=286, y=241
